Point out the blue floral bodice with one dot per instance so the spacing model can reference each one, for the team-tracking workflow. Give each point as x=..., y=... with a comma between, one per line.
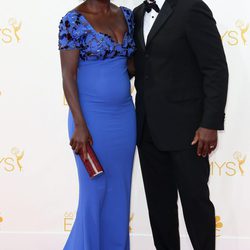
x=75, y=32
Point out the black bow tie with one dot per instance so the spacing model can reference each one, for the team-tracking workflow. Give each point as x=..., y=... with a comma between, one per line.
x=151, y=5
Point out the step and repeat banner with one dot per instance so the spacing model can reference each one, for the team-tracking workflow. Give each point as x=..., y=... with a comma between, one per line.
x=38, y=176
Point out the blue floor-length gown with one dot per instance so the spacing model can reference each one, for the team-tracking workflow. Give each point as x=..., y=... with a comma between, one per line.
x=102, y=219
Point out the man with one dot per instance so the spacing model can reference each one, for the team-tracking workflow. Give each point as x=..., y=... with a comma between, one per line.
x=181, y=82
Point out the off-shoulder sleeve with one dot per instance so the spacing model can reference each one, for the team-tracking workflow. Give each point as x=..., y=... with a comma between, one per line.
x=130, y=19
x=132, y=22
x=68, y=37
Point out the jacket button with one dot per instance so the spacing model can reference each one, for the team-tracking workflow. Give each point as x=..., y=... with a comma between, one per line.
x=146, y=77
x=147, y=55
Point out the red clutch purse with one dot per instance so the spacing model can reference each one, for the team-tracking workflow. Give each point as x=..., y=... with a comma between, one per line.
x=92, y=164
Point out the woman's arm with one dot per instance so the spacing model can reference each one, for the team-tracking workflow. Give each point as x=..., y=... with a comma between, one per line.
x=131, y=67
x=69, y=64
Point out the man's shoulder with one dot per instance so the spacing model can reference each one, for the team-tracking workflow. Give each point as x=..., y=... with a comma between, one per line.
x=136, y=9
x=188, y=4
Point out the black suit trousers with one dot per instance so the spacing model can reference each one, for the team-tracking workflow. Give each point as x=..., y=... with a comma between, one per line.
x=165, y=173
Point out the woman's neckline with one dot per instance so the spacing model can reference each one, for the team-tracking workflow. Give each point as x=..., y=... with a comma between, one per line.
x=102, y=33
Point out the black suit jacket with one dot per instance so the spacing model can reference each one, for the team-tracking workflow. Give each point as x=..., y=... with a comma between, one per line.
x=181, y=74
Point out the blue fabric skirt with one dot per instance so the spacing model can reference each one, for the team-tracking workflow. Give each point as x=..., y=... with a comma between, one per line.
x=102, y=219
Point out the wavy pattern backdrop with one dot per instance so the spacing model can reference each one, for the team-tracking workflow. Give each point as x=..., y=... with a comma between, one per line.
x=38, y=178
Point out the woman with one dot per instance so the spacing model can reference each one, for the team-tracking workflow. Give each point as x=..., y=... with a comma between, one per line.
x=95, y=42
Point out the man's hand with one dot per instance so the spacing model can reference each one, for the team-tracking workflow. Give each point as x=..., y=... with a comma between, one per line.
x=207, y=141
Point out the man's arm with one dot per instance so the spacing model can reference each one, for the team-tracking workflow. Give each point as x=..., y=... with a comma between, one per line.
x=206, y=43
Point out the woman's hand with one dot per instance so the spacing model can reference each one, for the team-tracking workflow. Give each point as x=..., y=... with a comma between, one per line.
x=80, y=139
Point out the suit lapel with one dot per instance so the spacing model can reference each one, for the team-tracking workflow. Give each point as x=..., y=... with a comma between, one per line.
x=141, y=13
x=165, y=12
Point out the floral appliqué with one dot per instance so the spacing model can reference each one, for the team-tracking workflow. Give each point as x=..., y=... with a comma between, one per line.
x=75, y=32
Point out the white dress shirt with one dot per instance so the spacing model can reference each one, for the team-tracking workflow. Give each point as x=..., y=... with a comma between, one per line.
x=149, y=19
